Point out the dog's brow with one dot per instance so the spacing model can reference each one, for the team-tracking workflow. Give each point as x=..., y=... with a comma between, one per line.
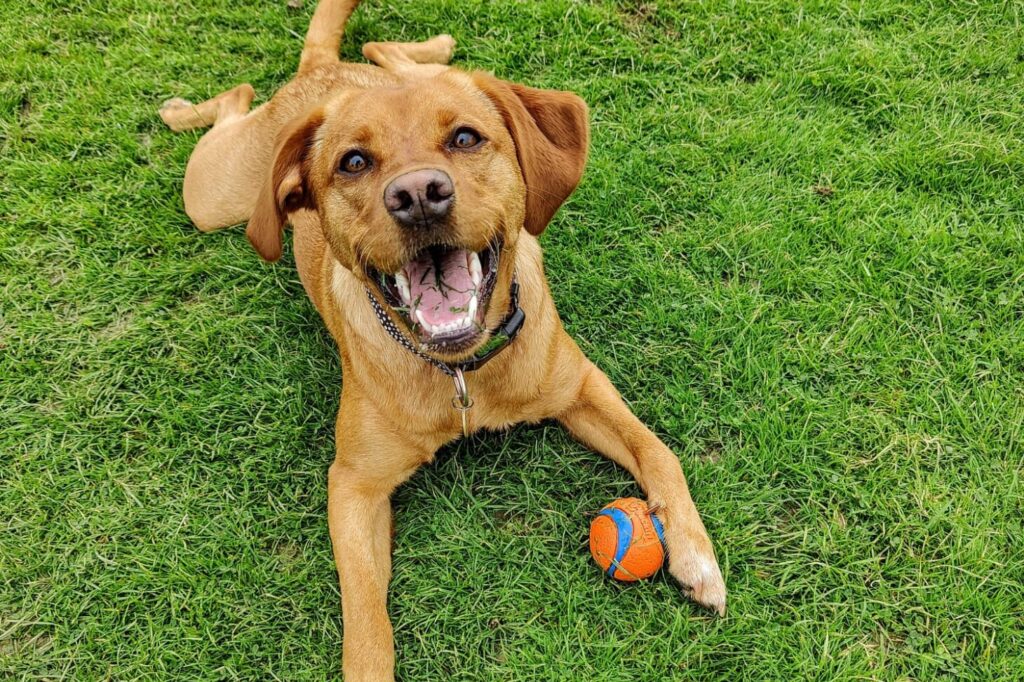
x=318, y=139
x=363, y=135
x=446, y=118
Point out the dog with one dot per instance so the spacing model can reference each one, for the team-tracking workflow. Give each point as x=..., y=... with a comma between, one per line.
x=416, y=193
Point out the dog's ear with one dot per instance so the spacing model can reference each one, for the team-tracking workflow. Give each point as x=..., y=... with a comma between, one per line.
x=286, y=188
x=551, y=134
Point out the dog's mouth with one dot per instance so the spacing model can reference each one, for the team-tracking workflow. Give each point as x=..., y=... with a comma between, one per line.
x=442, y=293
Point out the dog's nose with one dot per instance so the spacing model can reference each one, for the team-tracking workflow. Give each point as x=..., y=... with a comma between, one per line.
x=419, y=198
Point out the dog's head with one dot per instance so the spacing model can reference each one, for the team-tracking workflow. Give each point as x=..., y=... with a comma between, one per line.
x=423, y=189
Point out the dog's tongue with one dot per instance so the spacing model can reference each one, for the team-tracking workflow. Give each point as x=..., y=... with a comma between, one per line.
x=441, y=286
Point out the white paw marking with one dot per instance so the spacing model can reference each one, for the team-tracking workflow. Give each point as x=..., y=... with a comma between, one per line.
x=175, y=103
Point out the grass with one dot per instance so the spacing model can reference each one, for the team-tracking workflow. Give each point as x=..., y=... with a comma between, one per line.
x=798, y=251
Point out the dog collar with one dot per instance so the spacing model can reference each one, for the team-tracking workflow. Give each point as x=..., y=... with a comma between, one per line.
x=500, y=339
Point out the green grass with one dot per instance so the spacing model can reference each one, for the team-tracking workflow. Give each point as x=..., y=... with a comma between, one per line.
x=798, y=251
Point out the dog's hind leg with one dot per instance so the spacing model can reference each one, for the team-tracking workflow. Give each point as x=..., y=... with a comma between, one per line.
x=395, y=56
x=323, y=38
x=228, y=166
x=181, y=115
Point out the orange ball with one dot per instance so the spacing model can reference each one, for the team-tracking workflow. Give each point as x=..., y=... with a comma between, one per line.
x=627, y=541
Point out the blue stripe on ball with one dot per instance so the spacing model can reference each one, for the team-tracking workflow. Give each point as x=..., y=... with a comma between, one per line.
x=624, y=536
x=658, y=528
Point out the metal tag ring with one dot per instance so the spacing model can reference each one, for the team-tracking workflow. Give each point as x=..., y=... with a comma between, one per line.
x=457, y=404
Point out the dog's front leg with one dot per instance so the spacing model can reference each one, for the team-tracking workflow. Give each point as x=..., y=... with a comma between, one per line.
x=371, y=462
x=600, y=419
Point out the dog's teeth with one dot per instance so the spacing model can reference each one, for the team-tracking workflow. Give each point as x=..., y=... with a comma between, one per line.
x=472, y=309
x=403, y=287
x=427, y=327
x=475, y=271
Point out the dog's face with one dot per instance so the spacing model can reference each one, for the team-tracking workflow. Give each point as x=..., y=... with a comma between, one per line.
x=422, y=191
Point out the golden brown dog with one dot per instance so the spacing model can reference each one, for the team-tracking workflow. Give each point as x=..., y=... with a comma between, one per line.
x=417, y=192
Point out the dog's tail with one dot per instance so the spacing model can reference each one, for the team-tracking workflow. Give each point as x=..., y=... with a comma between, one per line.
x=323, y=39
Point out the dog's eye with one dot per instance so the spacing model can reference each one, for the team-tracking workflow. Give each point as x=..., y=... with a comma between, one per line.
x=465, y=138
x=354, y=162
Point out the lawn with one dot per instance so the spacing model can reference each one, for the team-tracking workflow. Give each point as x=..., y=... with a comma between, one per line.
x=798, y=251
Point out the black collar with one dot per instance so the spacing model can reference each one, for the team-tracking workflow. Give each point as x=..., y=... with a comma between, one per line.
x=500, y=339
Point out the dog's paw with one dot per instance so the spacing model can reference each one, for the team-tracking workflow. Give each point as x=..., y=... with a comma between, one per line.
x=692, y=563
x=446, y=44
x=701, y=580
x=171, y=112
x=174, y=103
